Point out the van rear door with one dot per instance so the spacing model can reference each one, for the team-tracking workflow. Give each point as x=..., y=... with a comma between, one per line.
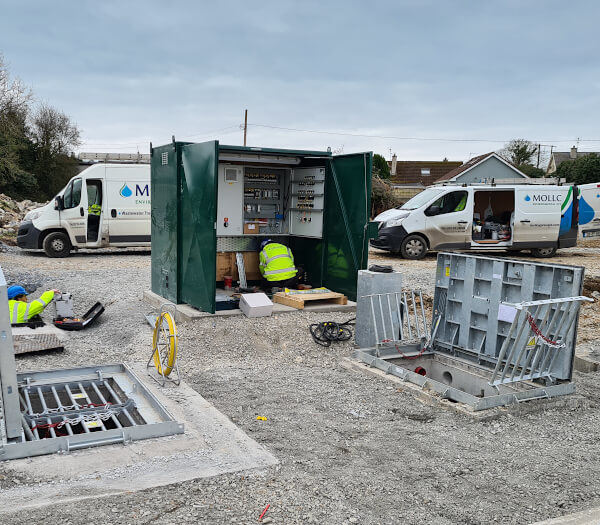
x=538, y=212
x=589, y=210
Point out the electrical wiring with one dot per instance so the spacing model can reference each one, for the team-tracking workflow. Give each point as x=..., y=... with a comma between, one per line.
x=329, y=332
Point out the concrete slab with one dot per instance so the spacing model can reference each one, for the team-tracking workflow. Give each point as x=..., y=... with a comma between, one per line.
x=585, y=517
x=185, y=312
x=211, y=445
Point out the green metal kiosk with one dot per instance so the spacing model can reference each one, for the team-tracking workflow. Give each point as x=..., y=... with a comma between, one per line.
x=209, y=198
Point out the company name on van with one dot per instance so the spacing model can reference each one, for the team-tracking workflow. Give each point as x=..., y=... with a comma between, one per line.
x=542, y=198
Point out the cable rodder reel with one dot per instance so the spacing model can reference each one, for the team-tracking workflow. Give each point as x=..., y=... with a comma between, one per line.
x=164, y=347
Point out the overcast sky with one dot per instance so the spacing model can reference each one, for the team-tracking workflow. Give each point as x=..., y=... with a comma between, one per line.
x=130, y=72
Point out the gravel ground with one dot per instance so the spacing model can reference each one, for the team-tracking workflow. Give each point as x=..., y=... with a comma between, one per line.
x=352, y=448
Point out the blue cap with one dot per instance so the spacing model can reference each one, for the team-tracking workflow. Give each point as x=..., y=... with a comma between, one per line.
x=264, y=243
x=15, y=291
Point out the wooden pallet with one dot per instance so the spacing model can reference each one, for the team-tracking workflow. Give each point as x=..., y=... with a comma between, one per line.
x=299, y=300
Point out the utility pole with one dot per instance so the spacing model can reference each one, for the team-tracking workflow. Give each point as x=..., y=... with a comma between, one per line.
x=245, y=125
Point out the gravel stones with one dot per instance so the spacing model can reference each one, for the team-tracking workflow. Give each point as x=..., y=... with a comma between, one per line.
x=352, y=449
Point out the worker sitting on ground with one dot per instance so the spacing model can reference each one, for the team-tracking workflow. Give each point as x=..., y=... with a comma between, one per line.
x=20, y=310
x=277, y=265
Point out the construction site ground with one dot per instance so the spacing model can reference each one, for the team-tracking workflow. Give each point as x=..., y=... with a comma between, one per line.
x=352, y=448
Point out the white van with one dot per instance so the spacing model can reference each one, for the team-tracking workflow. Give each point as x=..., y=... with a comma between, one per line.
x=118, y=193
x=509, y=217
x=589, y=210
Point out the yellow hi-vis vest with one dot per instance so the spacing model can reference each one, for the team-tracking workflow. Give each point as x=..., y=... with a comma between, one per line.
x=94, y=209
x=21, y=312
x=277, y=262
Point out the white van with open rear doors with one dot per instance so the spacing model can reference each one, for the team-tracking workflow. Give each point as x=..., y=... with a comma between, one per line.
x=105, y=205
x=540, y=218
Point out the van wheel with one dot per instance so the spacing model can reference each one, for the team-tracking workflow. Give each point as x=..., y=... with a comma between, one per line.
x=543, y=253
x=413, y=247
x=57, y=244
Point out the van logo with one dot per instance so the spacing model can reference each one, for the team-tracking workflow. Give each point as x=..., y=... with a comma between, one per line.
x=142, y=191
x=125, y=191
x=527, y=198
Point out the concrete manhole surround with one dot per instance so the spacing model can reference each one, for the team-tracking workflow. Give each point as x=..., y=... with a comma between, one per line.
x=211, y=445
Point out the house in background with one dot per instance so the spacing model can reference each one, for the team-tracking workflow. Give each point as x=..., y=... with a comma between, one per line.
x=409, y=177
x=483, y=169
x=558, y=157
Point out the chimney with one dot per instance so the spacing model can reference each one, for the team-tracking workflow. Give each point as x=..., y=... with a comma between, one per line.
x=394, y=164
x=573, y=153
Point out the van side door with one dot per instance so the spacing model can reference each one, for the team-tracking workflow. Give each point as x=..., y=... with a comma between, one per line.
x=538, y=213
x=73, y=216
x=448, y=221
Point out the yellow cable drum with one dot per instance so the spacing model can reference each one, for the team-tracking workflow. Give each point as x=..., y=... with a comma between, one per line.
x=164, y=344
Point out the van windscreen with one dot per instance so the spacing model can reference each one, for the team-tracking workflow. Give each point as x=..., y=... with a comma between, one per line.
x=422, y=198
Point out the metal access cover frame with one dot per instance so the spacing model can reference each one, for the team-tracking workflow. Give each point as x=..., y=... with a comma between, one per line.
x=527, y=391
x=157, y=421
x=465, y=291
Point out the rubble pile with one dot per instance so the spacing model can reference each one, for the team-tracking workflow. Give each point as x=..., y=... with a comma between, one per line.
x=12, y=213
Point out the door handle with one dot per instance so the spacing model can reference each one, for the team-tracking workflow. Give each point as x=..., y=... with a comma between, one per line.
x=596, y=220
x=462, y=222
x=81, y=212
x=113, y=213
x=525, y=220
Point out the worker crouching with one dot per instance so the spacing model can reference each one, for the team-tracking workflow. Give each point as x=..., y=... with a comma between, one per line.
x=22, y=311
x=277, y=265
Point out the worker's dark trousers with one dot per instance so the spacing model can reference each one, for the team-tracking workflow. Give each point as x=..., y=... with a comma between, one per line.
x=93, y=224
x=287, y=283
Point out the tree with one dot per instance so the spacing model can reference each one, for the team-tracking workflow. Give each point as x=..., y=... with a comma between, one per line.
x=382, y=196
x=519, y=151
x=15, y=101
x=531, y=171
x=582, y=170
x=381, y=168
x=54, y=136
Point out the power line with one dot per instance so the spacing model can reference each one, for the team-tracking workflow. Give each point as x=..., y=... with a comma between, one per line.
x=345, y=134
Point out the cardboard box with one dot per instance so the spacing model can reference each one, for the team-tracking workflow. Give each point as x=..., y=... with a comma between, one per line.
x=256, y=305
x=250, y=227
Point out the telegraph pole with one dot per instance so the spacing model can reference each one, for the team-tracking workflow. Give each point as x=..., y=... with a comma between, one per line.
x=245, y=125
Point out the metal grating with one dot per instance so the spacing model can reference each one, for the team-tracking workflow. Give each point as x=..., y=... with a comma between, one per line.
x=74, y=408
x=164, y=158
x=236, y=244
x=398, y=317
x=537, y=336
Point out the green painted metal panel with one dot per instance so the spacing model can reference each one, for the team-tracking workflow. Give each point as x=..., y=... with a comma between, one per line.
x=198, y=215
x=164, y=191
x=308, y=254
x=345, y=229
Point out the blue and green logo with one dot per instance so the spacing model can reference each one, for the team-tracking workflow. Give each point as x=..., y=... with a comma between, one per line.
x=125, y=191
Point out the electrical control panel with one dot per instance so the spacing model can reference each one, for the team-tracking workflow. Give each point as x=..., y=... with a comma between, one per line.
x=255, y=200
x=230, y=191
x=265, y=199
x=307, y=198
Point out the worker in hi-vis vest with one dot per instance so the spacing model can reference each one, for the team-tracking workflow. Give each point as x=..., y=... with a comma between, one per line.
x=22, y=311
x=277, y=265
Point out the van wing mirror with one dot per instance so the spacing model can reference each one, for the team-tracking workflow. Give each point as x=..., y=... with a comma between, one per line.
x=432, y=210
x=59, y=204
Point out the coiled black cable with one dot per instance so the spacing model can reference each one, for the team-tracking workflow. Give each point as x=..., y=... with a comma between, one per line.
x=329, y=332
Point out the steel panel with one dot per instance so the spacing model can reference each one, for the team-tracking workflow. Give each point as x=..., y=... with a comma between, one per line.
x=198, y=215
x=164, y=191
x=347, y=212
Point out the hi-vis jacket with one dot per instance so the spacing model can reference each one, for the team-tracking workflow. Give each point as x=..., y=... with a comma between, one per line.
x=21, y=312
x=277, y=262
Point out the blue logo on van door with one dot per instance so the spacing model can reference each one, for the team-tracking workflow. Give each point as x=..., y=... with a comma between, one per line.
x=527, y=198
x=125, y=191
x=142, y=191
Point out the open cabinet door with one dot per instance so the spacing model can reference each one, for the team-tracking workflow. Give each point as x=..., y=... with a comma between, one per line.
x=198, y=216
x=347, y=211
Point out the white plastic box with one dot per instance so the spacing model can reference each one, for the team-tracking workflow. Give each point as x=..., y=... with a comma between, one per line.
x=256, y=305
